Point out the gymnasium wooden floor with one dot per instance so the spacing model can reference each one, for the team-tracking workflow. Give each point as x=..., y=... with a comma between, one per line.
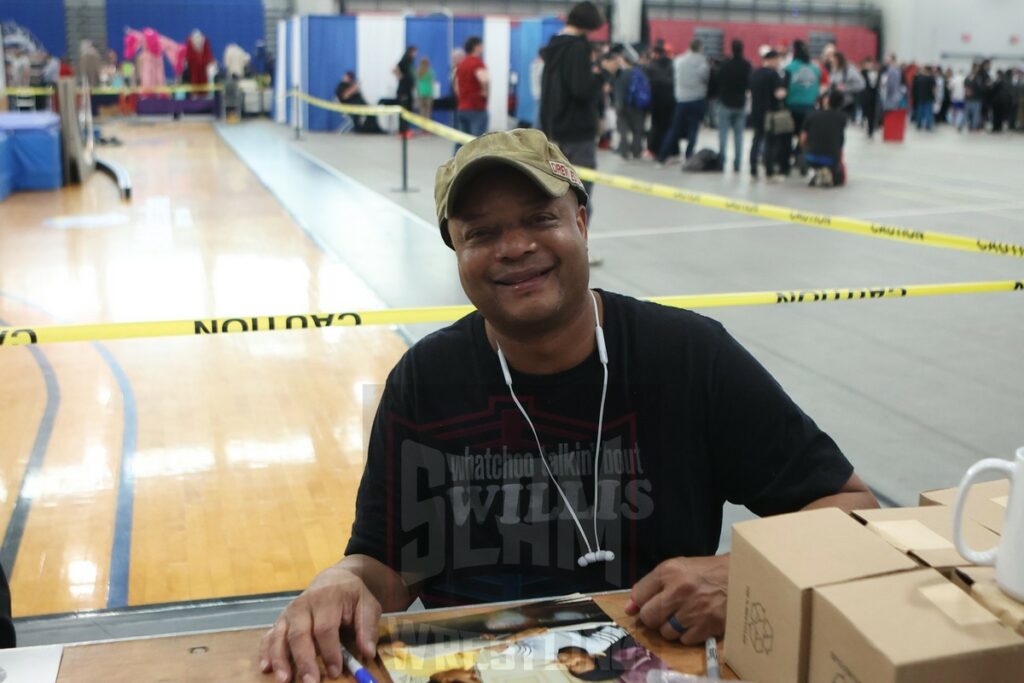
x=164, y=470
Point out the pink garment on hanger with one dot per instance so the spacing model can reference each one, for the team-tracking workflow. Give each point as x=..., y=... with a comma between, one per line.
x=152, y=48
x=151, y=70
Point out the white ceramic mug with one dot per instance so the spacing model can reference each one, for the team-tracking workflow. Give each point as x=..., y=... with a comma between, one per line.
x=1008, y=556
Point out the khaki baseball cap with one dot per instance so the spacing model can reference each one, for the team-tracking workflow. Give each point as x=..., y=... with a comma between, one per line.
x=524, y=149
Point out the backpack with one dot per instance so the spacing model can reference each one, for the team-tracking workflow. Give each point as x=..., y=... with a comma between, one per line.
x=639, y=94
x=704, y=160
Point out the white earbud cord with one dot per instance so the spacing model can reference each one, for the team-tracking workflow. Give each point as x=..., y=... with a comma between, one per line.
x=544, y=458
x=591, y=555
x=603, y=353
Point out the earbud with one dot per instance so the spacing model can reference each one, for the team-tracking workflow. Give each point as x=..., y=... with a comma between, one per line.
x=594, y=557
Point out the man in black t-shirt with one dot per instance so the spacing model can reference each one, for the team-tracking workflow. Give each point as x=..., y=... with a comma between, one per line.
x=767, y=91
x=557, y=439
x=733, y=83
x=822, y=139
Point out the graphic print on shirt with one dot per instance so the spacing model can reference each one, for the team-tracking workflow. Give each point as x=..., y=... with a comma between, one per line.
x=474, y=494
x=804, y=77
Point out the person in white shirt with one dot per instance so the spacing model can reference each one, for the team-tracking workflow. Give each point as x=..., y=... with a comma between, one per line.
x=940, y=92
x=957, y=95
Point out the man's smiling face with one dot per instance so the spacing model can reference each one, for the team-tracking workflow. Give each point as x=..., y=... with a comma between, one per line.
x=522, y=255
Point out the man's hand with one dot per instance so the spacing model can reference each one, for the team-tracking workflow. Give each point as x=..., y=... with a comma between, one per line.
x=693, y=590
x=311, y=623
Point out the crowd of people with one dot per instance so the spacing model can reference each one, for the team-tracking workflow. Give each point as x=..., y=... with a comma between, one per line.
x=797, y=109
x=650, y=103
x=778, y=97
x=973, y=100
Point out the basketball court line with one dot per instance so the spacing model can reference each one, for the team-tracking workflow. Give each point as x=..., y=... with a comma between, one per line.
x=23, y=503
x=120, y=550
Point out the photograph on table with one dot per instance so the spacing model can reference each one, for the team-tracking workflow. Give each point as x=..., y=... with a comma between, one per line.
x=554, y=641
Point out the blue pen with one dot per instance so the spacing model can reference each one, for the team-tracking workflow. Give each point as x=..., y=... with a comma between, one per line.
x=357, y=669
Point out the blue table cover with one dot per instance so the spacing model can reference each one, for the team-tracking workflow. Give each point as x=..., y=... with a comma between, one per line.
x=34, y=140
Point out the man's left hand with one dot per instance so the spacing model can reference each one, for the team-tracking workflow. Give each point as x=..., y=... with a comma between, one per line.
x=687, y=593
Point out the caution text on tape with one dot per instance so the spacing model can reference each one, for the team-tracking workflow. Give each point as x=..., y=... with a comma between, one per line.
x=24, y=335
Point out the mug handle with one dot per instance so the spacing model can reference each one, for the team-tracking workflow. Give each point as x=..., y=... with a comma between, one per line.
x=1004, y=467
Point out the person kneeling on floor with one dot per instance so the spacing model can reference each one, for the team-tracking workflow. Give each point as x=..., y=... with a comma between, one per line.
x=822, y=139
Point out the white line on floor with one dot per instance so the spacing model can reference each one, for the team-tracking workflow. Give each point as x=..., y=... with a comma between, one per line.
x=349, y=179
x=934, y=187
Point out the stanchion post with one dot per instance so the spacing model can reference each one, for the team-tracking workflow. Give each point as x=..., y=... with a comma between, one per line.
x=405, y=135
x=405, y=162
x=296, y=116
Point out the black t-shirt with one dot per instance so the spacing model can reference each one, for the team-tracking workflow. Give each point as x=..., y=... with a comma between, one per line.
x=454, y=492
x=922, y=88
x=733, y=79
x=406, y=77
x=763, y=84
x=825, y=135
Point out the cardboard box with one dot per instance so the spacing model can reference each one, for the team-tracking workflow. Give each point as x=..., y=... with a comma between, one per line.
x=981, y=582
x=926, y=533
x=986, y=503
x=775, y=563
x=913, y=627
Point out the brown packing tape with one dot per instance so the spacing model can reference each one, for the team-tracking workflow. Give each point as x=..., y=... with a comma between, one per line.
x=957, y=605
x=910, y=534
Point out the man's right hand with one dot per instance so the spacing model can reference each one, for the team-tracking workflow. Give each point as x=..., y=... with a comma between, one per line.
x=310, y=624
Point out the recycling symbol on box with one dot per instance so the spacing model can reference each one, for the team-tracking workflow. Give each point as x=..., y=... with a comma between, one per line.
x=759, y=629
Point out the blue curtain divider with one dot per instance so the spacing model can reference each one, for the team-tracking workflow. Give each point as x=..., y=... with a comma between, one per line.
x=6, y=166
x=430, y=35
x=44, y=18
x=466, y=27
x=329, y=49
x=533, y=35
x=289, y=82
x=330, y=43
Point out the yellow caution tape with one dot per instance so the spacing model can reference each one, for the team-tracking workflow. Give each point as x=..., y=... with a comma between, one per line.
x=438, y=129
x=25, y=92
x=20, y=336
x=815, y=220
x=359, y=109
x=769, y=211
x=158, y=90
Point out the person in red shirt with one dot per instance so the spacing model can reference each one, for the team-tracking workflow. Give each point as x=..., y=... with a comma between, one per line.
x=470, y=85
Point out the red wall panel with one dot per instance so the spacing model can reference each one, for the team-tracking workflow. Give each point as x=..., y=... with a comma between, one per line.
x=855, y=42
